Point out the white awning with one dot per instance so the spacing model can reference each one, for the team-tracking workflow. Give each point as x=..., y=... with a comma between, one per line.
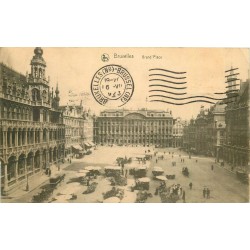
x=91, y=143
x=87, y=144
x=78, y=147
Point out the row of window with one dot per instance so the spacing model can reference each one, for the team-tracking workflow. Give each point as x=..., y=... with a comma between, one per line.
x=128, y=123
x=23, y=137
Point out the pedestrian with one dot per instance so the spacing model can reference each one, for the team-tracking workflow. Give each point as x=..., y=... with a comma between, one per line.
x=190, y=185
x=208, y=193
x=126, y=173
x=212, y=167
x=49, y=172
x=184, y=196
x=196, y=161
x=156, y=160
x=204, y=193
x=180, y=190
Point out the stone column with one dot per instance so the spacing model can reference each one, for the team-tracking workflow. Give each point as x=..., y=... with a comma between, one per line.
x=47, y=159
x=33, y=157
x=11, y=138
x=41, y=160
x=5, y=177
x=5, y=139
x=16, y=170
x=33, y=136
x=25, y=166
x=16, y=138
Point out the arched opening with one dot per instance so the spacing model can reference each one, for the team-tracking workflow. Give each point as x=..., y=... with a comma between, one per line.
x=2, y=174
x=28, y=136
x=32, y=136
x=37, y=160
x=44, y=135
x=50, y=155
x=9, y=140
x=54, y=154
x=35, y=72
x=1, y=137
x=21, y=164
x=36, y=114
x=11, y=168
x=40, y=73
x=23, y=137
x=19, y=137
x=35, y=95
x=44, y=159
x=59, y=152
x=50, y=135
x=13, y=137
x=30, y=162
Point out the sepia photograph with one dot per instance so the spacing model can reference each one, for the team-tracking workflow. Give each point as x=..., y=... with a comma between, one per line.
x=124, y=125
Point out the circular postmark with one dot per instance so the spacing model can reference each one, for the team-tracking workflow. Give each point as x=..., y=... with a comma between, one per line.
x=112, y=86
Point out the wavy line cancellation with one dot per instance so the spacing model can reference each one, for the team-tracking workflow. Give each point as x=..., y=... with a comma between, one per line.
x=182, y=103
x=187, y=102
x=168, y=92
x=167, y=81
x=174, y=72
x=160, y=85
x=191, y=97
x=167, y=76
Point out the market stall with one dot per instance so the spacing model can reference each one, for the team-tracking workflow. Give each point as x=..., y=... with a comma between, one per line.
x=161, y=178
x=93, y=170
x=142, y=183
x=157, y=171
x=112, y=170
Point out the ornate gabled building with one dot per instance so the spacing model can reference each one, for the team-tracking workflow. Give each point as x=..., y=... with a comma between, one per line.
x=78, y=129
x=189, y=140
x=206, y=134
x=137, y=127
x=215, y=132
x=178, y=132
x=31, y=125
x=236, y=146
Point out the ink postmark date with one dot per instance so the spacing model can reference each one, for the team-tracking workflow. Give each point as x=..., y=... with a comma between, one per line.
x=112, y=86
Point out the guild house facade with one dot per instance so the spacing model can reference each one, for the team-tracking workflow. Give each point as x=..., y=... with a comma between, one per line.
x=31, y=125
x=78, y=129
x=134, y=127
x=236, y=145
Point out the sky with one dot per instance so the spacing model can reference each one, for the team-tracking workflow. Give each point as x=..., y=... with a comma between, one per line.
x=74, y=68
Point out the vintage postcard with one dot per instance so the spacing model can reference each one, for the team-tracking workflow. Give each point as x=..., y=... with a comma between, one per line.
x=124, y=125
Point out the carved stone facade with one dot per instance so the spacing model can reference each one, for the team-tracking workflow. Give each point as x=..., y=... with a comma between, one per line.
x=31, y=126
x=236, y=146
x=138, y=127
